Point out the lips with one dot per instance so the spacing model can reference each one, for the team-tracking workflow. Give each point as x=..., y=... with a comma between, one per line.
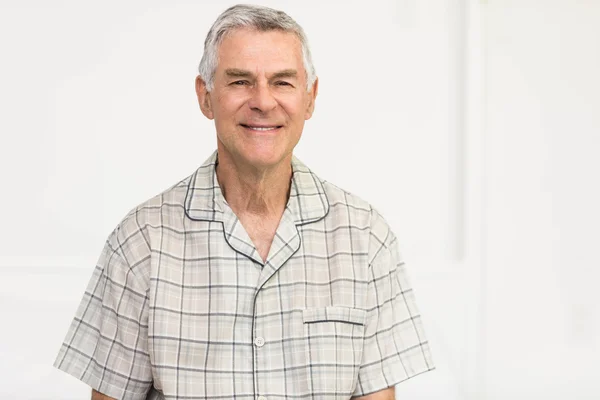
x=262, y=128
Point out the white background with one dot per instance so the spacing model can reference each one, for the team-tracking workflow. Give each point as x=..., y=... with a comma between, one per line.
x=471, y=125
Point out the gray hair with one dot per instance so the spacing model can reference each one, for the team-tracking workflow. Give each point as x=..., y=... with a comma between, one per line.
x=256, y=17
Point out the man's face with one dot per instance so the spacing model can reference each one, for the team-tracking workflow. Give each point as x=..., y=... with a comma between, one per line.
x=259, y=101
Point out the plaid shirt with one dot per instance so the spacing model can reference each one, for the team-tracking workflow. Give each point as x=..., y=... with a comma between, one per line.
x=181, y=305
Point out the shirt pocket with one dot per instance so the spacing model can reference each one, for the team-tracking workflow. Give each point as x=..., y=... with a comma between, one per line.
x=334, y=341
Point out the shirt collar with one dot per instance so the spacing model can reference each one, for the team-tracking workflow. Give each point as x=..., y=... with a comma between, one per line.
x=205, y=202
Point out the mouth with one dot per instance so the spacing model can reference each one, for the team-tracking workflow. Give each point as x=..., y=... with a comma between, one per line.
x=262, y=128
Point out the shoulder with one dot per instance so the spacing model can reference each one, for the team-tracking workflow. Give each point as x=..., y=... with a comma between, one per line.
x=148, y=211
x=131, y=234
x=353, y=208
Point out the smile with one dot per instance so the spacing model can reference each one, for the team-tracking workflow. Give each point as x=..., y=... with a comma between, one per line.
x=262, y=128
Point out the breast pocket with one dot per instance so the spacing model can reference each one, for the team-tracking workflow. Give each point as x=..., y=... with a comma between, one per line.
x=334, y=339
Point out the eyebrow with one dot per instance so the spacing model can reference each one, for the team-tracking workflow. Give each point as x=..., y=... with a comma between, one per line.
x=240, y=73
x=286, y=73
x=237, y=73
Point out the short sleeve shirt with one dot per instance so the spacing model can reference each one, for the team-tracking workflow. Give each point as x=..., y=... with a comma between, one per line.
x=181, y=306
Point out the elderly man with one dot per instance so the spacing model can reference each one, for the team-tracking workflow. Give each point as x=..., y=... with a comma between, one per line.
x=252, y=278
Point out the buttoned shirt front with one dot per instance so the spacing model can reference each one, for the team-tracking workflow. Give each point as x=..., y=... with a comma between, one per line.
x=181, y=305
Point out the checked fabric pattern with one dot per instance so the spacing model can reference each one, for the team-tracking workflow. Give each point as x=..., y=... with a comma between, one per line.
x=181, y=306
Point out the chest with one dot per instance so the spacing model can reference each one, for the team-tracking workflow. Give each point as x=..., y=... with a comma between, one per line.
x=261, y=231
x=210, y=313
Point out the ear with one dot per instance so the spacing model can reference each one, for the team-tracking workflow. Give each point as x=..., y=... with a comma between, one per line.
x=204, y=98
x=312, y=95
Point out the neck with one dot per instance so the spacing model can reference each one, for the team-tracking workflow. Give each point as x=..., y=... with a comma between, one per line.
x=254, y=191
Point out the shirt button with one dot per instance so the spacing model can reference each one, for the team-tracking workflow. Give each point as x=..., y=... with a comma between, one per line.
x=259, y=342
x=262, y=398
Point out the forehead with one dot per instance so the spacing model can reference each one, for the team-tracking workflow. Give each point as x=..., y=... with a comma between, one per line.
x=263, y=50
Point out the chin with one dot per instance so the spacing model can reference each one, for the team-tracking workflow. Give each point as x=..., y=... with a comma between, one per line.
x=264, y=157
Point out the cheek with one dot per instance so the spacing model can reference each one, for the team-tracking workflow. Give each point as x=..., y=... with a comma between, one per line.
x=294, y=108
x=227, y=108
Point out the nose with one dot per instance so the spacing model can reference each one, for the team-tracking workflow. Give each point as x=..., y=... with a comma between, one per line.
x=262, y=99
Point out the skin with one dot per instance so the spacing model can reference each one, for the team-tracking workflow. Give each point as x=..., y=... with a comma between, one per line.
x=386, y=394
x=259, y=81
x=100, y=396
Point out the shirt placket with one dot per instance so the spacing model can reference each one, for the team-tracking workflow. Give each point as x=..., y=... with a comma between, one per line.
x=285, y=243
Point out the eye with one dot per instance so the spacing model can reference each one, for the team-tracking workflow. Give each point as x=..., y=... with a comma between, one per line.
x=239, y=83
x=283, y=83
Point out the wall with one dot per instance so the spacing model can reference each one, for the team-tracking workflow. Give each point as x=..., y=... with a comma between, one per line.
x=101, y=115
x=470, y=124
x=540, y=328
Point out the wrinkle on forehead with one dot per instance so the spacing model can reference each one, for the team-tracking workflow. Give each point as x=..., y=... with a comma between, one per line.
x=262, y=52
x=240, y=73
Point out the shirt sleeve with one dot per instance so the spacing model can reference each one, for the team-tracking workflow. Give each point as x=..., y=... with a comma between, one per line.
x=106, y=345
x=395, y=346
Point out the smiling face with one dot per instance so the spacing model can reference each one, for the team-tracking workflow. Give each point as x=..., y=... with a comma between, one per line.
x=259, y=101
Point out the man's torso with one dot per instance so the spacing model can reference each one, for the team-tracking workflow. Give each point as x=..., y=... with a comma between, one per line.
x=222, y=322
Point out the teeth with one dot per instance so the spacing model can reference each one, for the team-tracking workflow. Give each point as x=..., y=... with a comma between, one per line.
x=262, y=129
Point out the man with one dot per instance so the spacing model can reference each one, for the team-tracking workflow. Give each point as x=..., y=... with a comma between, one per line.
x=252, y=278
